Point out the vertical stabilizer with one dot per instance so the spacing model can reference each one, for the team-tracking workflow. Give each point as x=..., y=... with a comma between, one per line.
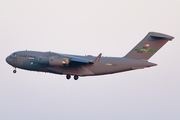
x=149, y=46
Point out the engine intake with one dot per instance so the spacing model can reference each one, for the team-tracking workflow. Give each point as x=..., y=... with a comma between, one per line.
x=43, y=60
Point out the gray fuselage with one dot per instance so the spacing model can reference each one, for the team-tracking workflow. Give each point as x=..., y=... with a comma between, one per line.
x=40, y=61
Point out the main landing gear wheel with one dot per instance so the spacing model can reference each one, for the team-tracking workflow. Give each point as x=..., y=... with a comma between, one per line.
x=76, y=77
x=68, y=76
x=14, y=71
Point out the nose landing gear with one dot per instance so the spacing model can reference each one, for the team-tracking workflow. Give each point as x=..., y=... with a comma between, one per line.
x=14, y=71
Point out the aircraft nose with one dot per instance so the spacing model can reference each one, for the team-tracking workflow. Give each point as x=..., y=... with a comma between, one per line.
x=7, y=59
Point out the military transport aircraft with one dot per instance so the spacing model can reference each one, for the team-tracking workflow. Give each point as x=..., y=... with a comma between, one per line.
x=76, y=65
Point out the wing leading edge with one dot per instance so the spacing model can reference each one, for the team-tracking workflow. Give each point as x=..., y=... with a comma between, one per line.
x=71, y=58
x=80, y=60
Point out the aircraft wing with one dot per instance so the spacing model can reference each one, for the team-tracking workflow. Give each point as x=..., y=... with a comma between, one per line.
x=71, y=58
x=82, y=60
x=76, y=59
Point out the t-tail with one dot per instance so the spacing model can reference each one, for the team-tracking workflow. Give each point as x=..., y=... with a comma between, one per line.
x=149, y=46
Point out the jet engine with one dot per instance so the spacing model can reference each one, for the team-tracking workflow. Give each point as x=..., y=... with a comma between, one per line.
x=57, y=62
x=51, y=61
x=43, y=60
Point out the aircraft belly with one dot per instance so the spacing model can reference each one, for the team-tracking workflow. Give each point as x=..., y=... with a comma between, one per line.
x=104, y=69
x=71, y=71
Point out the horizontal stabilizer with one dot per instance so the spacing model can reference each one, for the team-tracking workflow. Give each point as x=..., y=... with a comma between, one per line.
x=160, y=37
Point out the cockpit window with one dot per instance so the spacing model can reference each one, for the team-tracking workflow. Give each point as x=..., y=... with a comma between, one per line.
x=13, y=55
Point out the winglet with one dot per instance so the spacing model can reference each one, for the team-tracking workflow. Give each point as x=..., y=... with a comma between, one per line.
x=98, y=58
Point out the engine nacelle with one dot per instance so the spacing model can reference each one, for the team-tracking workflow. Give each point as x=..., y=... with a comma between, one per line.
x=57, y=62
x=43, y=60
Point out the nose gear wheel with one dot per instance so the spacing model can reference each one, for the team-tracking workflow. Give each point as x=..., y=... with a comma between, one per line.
x=14, y=71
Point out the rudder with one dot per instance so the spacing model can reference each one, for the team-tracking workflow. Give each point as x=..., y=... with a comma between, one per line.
x=152, y=42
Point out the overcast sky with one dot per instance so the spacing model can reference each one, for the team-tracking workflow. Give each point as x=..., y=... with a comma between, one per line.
x=81, y=27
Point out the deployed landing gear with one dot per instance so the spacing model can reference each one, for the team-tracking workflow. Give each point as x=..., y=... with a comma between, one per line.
x=14, y=71
x=68, y=76
x=76, y=77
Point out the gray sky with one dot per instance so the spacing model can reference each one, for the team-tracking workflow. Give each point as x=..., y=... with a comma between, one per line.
x=81, y=27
